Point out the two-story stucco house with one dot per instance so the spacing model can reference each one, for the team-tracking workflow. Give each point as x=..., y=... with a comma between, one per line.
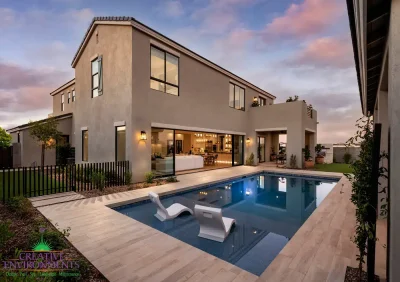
x=140, y=96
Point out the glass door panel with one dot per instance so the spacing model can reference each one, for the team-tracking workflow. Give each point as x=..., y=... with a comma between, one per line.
x=162, y=151
x=237, y=151
x=261, y=149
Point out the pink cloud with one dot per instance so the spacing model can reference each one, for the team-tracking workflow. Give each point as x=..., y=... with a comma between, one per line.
x=326, y=52
x=308, y=18
x=7, y=17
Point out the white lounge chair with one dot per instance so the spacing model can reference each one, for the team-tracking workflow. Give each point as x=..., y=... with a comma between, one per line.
x=213, y=225
x=165, y=214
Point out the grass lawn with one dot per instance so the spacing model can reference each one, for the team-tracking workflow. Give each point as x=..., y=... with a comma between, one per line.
x=343, y=168
x=36, y=183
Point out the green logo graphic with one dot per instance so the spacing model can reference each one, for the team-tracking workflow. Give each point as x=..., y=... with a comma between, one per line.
x=42, y=245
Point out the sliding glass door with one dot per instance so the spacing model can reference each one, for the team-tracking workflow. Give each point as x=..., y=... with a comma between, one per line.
x=238, y=149
x=162, y=151
x=261, y=149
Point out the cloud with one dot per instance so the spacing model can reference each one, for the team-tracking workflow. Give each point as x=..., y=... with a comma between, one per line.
x=325, y=52
x=15, y=77
x=172, y=9
x=219, y=15
x=308, y=18
x=7, y=17
x=83, y=16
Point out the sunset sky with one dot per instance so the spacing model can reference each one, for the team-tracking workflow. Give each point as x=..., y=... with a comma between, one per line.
x=285, y=47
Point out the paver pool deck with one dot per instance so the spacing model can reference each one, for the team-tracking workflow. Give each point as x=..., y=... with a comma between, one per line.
x=123, y=249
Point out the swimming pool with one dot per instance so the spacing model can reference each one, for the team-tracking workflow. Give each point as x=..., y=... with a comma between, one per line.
x=268, y=209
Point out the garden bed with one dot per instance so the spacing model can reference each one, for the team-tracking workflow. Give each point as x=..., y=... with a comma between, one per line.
x=21, y=227
x=124, y=188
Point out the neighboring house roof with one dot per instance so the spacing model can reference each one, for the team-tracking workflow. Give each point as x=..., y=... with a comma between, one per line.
x=62, y=87
x=27, y=125
x=153, y=33
x=376, y=26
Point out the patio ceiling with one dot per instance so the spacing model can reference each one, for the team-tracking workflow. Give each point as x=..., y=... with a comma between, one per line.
x=377, y=23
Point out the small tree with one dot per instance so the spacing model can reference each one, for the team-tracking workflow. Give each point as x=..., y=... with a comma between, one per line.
x=5, y=138
x=45, y=133
x=290, y=99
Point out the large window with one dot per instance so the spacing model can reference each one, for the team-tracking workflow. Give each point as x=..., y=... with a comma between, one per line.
x=62, y=102
x=164, y=73
x=236, y=97
x=73, y=96
x=238, y=145
x=85, y=145
x=120, y=143
x=97, y=77
x=162, y=151
x=69, y=97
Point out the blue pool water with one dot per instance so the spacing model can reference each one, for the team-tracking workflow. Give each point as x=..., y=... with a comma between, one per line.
x=268, y=210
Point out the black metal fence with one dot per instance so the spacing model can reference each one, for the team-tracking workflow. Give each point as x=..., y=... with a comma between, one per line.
x=38, y=181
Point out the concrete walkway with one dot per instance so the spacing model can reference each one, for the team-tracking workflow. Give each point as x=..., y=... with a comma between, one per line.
x=124, y=249
x=54, y=199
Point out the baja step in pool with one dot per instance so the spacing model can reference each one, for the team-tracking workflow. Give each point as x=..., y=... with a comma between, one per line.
x=268, y=210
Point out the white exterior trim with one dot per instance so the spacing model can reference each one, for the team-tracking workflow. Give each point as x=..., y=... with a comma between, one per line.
x=119, y=123
x=310, y=130
x=191, y=128
x=272, y=129
x=84, y=128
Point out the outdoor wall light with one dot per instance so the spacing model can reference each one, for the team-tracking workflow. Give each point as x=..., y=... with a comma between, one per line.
x=248, y=140
x=255, y=99
x=143, y=135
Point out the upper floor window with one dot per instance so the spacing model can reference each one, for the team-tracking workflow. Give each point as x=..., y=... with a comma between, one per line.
x=62, y=102
x=164, y=71
x=236, y=97
x=97, y=77
x=69, y=97
x=262, y=101
x=73, y=95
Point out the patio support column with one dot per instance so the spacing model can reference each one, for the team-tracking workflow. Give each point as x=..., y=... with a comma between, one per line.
x=394, y=127
x=295, y=144
x=268, y=145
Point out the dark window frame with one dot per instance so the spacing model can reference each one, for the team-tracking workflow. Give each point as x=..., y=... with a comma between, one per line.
x=62, y=102
x=263, y=99
x=83, y=140
x=92, y=75
x=73, y=95
x=165, y=71
x=116, y=143
x=234, y=97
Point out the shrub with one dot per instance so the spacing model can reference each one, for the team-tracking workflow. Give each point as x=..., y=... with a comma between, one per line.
x=20, y=206
x=307, y=153
x=149, y=177
x=53, y=237
x=250, y=159
x=293, y=161
x=83, y=174
x=347, y=157
x=171, y=179
x=99, y=180
x=318, y=150
x=5, y=233
x=128, y=178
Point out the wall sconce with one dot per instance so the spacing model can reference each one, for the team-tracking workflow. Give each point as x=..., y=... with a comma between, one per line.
x=143, y=135
x=255, y=99
x=248, y=140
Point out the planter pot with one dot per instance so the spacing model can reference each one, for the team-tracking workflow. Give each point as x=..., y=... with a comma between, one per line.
x=319, y=160
x=309, y=164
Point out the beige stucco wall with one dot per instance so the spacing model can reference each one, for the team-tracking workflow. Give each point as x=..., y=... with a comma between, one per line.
x=68, y=107
x=99, y=114
x=31, y=150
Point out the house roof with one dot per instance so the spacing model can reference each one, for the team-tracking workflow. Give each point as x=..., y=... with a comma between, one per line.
x=27, y=125
x=155, y=34
x=62, y=87
x=377, y=25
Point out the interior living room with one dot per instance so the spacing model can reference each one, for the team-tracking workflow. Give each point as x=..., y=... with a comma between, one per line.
x=179, y=152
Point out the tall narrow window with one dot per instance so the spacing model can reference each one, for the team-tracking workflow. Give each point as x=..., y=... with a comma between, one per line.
x=120, y=143
x=262, y=101
x=97, y=77
x=62, y=102
x=164, y=73
x=73, y=95
x=236, y=97
x=85, y=145
x=69, y=97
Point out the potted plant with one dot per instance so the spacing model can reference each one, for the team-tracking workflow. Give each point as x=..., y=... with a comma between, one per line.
x=308, y=161
x=319, y=159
